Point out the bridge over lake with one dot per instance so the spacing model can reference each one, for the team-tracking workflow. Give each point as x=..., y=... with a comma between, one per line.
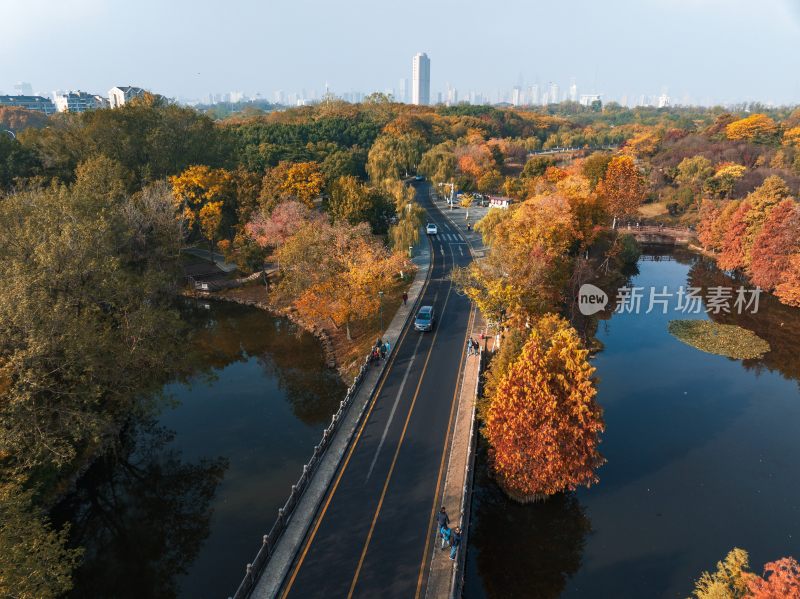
x=659, y=235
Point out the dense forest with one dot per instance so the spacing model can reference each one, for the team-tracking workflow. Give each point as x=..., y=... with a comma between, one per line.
x=96, y=208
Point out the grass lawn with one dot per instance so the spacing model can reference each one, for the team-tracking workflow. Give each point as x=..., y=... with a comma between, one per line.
x=653, y=209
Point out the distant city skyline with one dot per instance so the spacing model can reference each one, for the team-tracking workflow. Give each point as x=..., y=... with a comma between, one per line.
x=693, y=51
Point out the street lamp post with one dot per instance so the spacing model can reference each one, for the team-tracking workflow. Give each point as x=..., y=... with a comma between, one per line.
x=380, y=309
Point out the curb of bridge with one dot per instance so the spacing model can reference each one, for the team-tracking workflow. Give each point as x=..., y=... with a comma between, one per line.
x=273, y=577
x=446, y=578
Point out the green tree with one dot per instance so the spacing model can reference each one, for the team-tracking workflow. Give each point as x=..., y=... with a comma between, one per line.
x=439, y=164
x=353, y=202
x=694, y=173
x=393, y=157
x=595, y=166
x=34, y=560
x=85, y=320
x=16, y=161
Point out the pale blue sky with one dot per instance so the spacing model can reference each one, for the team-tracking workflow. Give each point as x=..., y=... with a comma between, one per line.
x=706, y=50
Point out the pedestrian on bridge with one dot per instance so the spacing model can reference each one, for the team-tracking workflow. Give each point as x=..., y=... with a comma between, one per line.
x=447, y=532
x=405, y=298
x=455, y=542
x=442, y=523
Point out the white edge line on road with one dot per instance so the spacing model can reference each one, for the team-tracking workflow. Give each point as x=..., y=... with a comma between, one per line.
x=396, y=401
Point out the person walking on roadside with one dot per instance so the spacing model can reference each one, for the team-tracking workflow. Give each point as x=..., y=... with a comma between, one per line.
x=405, y=298
x=383, y=351
x=442, y=522
x=469, y=346
x=447, y=532
x=455, y=542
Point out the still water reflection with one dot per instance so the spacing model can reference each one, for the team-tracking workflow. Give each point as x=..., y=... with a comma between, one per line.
x=702, y=456
x=179, y=508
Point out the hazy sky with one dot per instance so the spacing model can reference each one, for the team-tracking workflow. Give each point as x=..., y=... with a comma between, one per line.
x=702, y=50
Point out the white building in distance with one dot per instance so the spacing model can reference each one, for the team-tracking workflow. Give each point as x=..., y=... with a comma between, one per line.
x=517, y=96
x=421, y=79
x=573, y=92
x=589, y=99
x=78, y=101
x=554, y=92
x=121, y=95
x=533, y=94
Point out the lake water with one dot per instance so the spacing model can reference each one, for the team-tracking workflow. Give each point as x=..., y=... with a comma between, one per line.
x=702, y=457
x=181, y=506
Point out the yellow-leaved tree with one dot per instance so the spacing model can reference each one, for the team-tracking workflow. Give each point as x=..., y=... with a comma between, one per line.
x=299, y=181
x=756, y=127
x=336, y=272
x=543, y=424
x=623, y=189
x=201, y=194
x=528, y=264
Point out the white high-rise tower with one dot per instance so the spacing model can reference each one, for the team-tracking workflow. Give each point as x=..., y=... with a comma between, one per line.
x=421, y=79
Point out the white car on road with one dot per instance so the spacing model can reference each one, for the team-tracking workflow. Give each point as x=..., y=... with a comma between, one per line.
x=431, y=229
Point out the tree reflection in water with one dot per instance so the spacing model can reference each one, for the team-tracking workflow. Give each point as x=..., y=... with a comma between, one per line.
x=520, y=550
x=142, y=514
x=230, y=333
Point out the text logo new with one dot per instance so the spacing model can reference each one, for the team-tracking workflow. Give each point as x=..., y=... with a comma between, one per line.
x=591, y=299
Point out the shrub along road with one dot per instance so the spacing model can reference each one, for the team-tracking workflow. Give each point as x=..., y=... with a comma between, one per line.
x=374, y=531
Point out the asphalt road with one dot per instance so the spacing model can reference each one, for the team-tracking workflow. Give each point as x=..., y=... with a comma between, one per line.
x=374, y=531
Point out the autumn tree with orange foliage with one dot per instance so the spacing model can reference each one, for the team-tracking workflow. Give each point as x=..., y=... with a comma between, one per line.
x=336, y=271
x=781, y=580
x=756, y=128
x=762, y=200
x=644, y=143
x=788, y=290
x=791, y=137
x=777, y=241
x=623, y=188
x=715, y=218
x=733, y=251
x=709, y=214
x=543, y=424
x=588, y=210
